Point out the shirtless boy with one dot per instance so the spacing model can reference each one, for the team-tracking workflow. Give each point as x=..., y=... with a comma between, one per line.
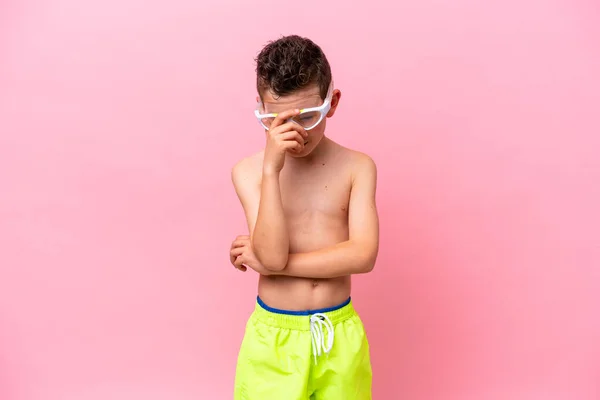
x=310, y=207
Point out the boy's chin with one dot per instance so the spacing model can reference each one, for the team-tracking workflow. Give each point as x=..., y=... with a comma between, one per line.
x=299, y=155
x=303, y=153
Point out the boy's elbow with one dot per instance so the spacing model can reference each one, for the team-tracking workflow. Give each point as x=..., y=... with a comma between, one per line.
x=367, y=267
x=368, y=261
x=370, y=266
x=275, y=263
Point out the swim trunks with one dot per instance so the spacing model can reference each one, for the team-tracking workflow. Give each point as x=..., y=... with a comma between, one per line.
x=302, y=355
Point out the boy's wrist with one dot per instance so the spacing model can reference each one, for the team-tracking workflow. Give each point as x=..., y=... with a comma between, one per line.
x=270, y=172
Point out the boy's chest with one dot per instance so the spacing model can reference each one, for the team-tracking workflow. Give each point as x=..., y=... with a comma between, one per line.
x=309, y=196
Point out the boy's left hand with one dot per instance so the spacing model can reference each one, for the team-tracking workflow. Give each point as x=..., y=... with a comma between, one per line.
x=241, y=256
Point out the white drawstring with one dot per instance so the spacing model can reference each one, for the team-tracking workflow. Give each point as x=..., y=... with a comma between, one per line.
x=317, y=322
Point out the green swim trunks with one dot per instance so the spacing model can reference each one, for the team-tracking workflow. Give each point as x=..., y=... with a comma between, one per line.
x=304, y=355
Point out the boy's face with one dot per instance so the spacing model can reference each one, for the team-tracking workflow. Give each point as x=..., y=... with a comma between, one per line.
x=303, y=98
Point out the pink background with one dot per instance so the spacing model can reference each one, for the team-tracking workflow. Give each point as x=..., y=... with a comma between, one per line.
x=120, y=121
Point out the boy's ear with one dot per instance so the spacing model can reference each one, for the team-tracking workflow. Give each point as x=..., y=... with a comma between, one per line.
x=335, y=100
x=257, y=99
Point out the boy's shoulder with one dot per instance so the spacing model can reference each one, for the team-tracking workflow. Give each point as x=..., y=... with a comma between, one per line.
x=253, y=161
x=357, y=160
x=248, y=170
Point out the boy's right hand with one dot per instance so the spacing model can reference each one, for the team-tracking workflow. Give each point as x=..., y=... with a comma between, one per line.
x=242, y=256
x=282, y=137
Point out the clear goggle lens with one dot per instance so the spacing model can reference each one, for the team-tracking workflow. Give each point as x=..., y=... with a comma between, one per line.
x=307, y=120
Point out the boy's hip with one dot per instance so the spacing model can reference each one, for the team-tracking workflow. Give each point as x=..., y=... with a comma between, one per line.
x=303, y=320
x=337, y=329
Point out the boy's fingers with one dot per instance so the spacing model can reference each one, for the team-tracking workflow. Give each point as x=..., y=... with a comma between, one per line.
x=238, y=264
x=292, y=145
x=238, y=261
x=292, y=141
x=293, y=135
x=239, y=243
x=237, y=251
x=288, y=127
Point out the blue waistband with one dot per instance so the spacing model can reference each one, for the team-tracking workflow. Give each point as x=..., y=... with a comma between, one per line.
x=304, y=312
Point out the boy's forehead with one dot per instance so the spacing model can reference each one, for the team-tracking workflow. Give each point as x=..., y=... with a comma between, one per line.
x=302, y=98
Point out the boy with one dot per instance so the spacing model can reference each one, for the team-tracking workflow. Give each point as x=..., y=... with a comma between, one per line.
x=312, y=218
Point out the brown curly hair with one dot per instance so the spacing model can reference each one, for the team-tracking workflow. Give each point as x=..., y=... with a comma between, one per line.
x=291, y=63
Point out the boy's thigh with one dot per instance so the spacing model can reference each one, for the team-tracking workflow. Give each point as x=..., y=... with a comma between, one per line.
x=272, y=364
x=346, y=372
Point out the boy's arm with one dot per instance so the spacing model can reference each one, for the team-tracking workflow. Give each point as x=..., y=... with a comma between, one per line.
x=356, y=255
x=263, y=208
x=270, y=239
x=247, y=188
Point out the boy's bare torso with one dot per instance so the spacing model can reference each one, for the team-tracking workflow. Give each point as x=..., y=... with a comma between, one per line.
x=315, y=194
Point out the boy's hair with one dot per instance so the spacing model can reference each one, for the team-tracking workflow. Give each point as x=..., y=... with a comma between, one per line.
x=291, y=63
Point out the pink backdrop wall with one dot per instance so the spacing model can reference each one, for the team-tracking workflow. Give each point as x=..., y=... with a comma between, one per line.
x=120, y=121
